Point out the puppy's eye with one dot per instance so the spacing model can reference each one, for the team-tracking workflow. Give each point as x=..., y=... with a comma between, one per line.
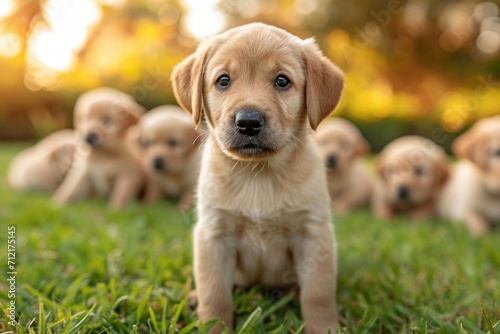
x=496, y=153
x=145, y=143
x=282, y=82
x=173, y=143
x=345, y=145
x=107, y=121
x=223, y=81
x=419, y=171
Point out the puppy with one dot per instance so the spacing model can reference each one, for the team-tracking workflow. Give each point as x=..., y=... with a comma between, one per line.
x=262, y=200
x=473, y=192
x=43, y=166
x=413, y=171
x=104, y=164
x=341, y=147
x=169, y=149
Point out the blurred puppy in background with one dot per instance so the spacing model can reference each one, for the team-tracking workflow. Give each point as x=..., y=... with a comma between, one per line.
x=413, y=171
x=473, y=192
x=168, y=147
x=104, y=166
x=262, y=200
x=341, y=147
x=44, y=166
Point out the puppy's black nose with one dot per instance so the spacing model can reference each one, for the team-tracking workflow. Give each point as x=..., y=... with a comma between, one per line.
x=331, y=161
x=158, y=163
x=403, y=192
x=249, y=122
x=92, y=138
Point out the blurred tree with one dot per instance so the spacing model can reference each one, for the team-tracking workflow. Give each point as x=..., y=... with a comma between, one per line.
x=411, y=66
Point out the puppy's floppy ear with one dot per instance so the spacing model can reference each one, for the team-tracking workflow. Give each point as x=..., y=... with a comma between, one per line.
x=134, y=137
x=362, y=147
x=469, y=146
x=135, y=112
x=442, y=167
x=187, y=80
x=381, y=164
x=130, y=110
x=324, y=84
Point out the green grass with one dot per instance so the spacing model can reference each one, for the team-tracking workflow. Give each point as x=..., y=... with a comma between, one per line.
x=87, y=269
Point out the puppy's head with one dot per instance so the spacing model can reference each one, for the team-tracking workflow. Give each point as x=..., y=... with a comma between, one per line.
x=481, y=145
x=103, y=115
x=339, y=143
x=413, y=169
x=167, y=137
x=257, y=85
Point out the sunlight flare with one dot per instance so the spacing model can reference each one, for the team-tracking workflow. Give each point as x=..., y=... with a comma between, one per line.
x=203, y=18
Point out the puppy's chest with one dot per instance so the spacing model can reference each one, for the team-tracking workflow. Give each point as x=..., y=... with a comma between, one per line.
x=170, y=185
x=104, y=175
x=258, y=199
x=264, y=250
x=489, y=206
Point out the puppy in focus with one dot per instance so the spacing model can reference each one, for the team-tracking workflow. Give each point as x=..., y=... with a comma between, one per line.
x=44, y=166
x=262, y=199
x=472, y=194
x=341, y=146
x=104, y=165
x=168, y=146
x=413, y=171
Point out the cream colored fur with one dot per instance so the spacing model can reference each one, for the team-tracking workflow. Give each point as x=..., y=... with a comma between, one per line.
x=350, y=183
x=107, y=168
x=263, y=212
x=43, y=166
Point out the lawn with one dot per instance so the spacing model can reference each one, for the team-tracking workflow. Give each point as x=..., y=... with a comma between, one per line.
x=88, y=269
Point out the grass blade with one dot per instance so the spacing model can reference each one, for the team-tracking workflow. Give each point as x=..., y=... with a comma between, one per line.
x=248, y=326
x=41, y=317
x=142, y=305
x=82, y=322
x=279, y=304
x=177, y=314
x=152, y=316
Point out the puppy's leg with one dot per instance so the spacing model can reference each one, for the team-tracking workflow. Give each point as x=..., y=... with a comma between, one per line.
x=382, y=209
x=477, y=224
x=346, y=204
x=125, y=188
x=380, y=205
x=75, y=186
x=186, y=200
x=153, y=192
x=316, y=265
x=214, y=266
x=423, y=212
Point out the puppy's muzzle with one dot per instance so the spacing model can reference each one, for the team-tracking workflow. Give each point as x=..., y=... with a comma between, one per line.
x=331, y=161
x=249, y=122
x=403, y=192
x=159, y=164
x=92, y=138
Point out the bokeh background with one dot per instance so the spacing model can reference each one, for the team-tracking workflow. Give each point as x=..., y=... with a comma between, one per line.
x=422, y=67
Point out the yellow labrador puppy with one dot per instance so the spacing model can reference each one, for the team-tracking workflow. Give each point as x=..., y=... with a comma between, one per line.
x=168, y=145
x=473, y=192
x=341, y=146
x=412, y=173
x=263, y=204
x=104, y=163
x=43, y=166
